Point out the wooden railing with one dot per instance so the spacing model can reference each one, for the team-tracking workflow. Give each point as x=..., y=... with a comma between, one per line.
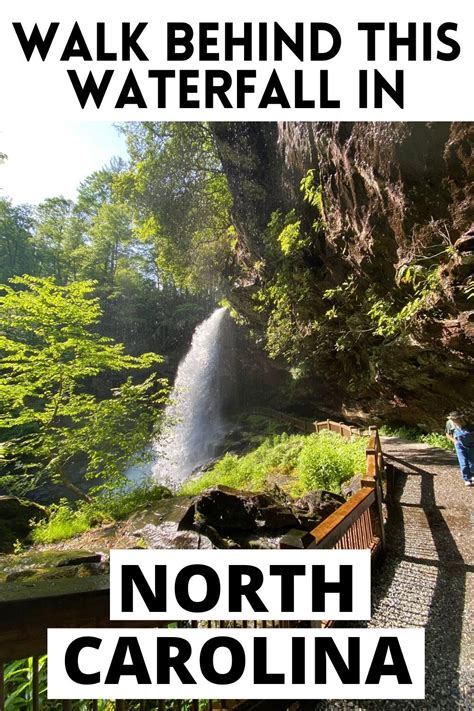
x=37, y=671
x=358, y=523
x=306, y=425
x=300, y=423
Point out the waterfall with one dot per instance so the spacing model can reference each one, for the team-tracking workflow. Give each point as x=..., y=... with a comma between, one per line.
x=193, y=424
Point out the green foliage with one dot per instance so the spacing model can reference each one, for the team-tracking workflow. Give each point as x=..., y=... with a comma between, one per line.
x=64, y=523
x=19, y=684
x=313, y=195
x=423, y=283
x=49, y=351
x=286, y=294
x=414, y=434
x=286, y=231
x=298, y=463
x=319, y=319
x=277, y=455
x=101, y=418
x=328, y=460
x=284, y=298
x=289, y=237
x=261, y=425
x=97, y=238
x=66, y=520
x=19, y=692
x=436, y=439
x=403, y=432
x=18, y=250
x=51, y=235
x=181, y=200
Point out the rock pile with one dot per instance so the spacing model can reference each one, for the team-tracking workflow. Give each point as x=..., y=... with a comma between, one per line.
x=223, y=517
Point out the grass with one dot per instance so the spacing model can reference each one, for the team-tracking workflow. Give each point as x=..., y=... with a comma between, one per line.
x=297, y=463
x=67, y=520
x=434, y=439
x=18, y=677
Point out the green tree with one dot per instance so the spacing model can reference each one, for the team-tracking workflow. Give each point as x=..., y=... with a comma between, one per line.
x=111, y=234
x=52, y=222
x=181, y=200
x=16, y=248
x=49, y=352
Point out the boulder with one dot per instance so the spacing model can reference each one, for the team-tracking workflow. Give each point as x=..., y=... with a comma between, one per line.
x=223, y=517
x=169, y=524
x=177, y=511
x=15, y=520
x=319, y=501
x=165, y=536
x=229, y=509
x=465, y=243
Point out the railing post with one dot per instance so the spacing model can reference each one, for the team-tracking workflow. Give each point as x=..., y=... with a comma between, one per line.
x=374, y=467
x=371, y=463
x=378, y=503
x=2, y=687
x=35, y=683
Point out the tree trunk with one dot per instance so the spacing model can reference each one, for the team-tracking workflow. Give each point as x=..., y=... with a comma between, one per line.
x=75, y=489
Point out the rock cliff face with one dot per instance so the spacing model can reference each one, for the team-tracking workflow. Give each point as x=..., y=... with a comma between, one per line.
x=372, y=305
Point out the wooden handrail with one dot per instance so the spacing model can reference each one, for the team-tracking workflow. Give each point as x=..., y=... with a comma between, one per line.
x=66, y=602
x=342, y=428
x=332, y=529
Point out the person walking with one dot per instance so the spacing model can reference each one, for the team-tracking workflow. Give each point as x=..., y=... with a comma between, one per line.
x=462, y=435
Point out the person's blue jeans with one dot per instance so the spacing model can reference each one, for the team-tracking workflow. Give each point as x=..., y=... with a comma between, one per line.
x=466, y=460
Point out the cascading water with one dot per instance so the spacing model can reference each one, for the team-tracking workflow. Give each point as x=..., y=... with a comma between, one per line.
x=194, y=424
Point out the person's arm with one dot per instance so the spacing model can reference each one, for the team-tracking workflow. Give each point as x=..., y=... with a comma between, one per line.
x=449, y=431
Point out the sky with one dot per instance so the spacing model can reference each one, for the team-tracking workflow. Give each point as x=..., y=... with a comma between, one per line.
x=52, y=159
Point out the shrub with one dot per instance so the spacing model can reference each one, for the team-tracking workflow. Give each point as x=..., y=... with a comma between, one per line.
x=63, y=522
x=18, y=677
x=434, y=439
x=276, y=456
x=327, y=460
x=413, y=434
x=298, y=463
x=67, y=520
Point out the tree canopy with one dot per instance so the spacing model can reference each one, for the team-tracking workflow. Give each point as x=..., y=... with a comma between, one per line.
x=49, y=352
x=181, y=200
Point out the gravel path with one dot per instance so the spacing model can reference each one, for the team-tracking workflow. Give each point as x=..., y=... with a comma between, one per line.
x=427, y=579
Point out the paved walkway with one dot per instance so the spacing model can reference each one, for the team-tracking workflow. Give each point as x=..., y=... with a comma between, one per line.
x=428, y=575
